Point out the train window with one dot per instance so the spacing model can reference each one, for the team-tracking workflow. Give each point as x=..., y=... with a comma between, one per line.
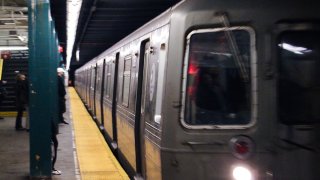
x=299, y=72
x=126, y=81
x=218, y=85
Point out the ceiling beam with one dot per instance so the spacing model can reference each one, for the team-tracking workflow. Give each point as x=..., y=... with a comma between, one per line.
x=84, y=28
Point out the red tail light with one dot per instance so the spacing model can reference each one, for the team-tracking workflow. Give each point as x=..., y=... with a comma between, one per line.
x=242, y=147
x=193, y=69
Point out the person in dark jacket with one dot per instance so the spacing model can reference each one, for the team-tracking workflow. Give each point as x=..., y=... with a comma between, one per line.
x=54, y=126
x=3, y=92
x=21, y=90
x=54, y=132
x=61, y=95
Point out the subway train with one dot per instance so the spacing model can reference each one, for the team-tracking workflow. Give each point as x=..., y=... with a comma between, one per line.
x=213, y=89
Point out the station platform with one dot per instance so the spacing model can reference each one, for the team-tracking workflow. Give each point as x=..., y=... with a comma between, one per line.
x=82, y=153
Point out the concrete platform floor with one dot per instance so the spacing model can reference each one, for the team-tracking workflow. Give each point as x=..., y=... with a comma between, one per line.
x=14, y=151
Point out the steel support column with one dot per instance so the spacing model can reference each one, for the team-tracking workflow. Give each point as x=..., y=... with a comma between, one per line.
x=43, y=87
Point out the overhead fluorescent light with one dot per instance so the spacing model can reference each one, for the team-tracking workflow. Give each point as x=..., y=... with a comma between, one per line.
x=295, y=49
x=7, y=48
x=9, y=23
x=73, y=10
x=23, y=38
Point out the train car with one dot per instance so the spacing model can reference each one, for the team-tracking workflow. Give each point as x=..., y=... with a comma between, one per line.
x=214, y=89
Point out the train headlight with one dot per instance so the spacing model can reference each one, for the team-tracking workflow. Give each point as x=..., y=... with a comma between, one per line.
x=241, y=173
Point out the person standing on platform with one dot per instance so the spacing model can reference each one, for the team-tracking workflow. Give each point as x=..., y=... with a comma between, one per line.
x=3, y=92
x=54, y=126
x=21, y=89
x=61, y=95
x=54, y=133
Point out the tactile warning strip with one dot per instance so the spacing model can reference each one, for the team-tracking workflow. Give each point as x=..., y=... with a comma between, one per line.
x=96, y=161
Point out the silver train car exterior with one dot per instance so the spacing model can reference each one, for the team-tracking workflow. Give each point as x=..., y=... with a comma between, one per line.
x=213, y=89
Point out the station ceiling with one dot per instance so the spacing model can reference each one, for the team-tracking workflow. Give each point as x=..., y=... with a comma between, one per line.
x=101, y=23
x=13, y=23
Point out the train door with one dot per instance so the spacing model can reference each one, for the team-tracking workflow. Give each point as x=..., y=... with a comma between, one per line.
x=141, y=107
x=92, y=89
x=102, y=90
x=114, y=100
x=99, y=91
x=298, y=56
x=107, y=98
x=94, y=79
x=87, y=86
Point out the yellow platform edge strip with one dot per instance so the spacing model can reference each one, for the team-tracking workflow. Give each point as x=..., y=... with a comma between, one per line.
x=10, y=114
x=95, y=159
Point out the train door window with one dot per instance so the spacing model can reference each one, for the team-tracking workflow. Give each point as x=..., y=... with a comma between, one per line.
x=98, y=78
x=107, y=78
x=149, y=106
x=217, y=89
x=92, y=77
x=299, y=72
x=126, y=81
